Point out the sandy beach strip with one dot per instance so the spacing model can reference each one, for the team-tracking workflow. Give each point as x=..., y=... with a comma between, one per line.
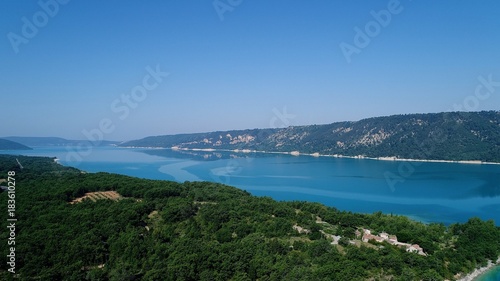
x=479, y=271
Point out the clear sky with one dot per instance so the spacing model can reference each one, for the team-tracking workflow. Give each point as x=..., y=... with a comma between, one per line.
x=238, y=64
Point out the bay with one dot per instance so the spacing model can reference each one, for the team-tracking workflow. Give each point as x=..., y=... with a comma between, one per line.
x=424, y=191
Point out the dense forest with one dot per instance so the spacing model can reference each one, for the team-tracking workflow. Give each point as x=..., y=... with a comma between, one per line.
x=437, y=136
x=12, y=145
x=73, y=225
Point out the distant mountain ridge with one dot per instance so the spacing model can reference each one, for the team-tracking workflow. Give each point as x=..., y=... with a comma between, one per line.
x=449, y=136
x=12, y=145
x=51, y=141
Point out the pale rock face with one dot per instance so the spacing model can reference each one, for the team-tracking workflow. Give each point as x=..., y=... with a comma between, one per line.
x=419, y=122
x=242, y=139
x=373, y=139
x=342, y=130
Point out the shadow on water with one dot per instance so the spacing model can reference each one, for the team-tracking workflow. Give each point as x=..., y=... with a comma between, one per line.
x=490, y=188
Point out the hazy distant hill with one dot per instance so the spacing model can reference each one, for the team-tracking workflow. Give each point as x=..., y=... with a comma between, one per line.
x=440, y=136
x=11, y=145
x=50, y=141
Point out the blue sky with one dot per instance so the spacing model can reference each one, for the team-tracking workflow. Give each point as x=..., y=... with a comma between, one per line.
x=240, y=68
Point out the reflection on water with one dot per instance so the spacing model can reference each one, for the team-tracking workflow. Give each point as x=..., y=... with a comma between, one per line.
x=200, y=155
x=490, y=188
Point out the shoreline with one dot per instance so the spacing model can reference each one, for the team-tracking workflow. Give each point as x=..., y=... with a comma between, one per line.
x=478, y=272
x=297, y=153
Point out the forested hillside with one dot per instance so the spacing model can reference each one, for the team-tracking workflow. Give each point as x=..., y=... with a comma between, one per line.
x=439, y=136
x=11, y=145
x=68, y=229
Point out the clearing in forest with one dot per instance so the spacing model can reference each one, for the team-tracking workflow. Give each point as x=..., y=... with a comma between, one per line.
x=99, y=195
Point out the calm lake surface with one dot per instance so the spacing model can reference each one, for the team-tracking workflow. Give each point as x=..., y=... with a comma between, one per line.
x=429, y=192
x=492, y=275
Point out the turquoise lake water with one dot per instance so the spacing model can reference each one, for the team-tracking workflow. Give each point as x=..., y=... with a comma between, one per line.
x=429, y=192
x=492, y=275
